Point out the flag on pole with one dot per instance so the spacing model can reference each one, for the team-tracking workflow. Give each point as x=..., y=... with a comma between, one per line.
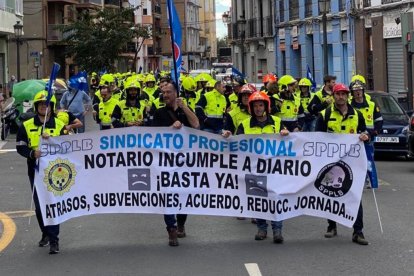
x=79, y=81
x=51, y=82
x=310, y=77
x=372, y=170
x=236, y=72
x=176, y=37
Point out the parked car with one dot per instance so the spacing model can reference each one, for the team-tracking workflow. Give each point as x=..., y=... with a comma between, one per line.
x=396, y=134
x=411, y=139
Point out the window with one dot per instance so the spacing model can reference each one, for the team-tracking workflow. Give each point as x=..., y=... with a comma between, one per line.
x=144, y=12
x=308, y=8
x=342, y=5
x=367, y=3
x=281, y=11
x=293, y=9
x=19, y=7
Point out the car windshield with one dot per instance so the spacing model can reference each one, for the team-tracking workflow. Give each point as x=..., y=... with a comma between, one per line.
x=388, y=105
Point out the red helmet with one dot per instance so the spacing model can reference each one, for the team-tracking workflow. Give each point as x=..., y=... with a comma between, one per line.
x=269, y=78
x=259, y=96
x=340, y=87
x=248, y=88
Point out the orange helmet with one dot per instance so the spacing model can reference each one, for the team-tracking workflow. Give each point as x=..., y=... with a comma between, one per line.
x=269, y=78
x=340, y=87
x=259, y=96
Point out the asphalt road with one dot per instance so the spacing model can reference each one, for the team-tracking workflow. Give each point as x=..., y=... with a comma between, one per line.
x=137, y=244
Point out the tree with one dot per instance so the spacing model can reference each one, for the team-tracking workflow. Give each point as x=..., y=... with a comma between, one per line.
x=222, y=43
x=95, y=41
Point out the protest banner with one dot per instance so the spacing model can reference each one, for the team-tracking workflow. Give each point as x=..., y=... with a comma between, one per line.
x=187, y=171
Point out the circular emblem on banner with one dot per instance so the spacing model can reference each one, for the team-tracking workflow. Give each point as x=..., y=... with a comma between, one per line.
x=335, y=179
x=296, y=110
x=369, y=117
x=59, y=176
x=351, y=131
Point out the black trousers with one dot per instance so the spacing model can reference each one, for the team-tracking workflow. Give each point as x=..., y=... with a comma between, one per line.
x=358, y=224
x=52, y=231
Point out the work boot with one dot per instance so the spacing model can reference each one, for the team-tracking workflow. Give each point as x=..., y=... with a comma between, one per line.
x=261, y=235
x=54, y=248
x=44, y=241
x=330, y=233
x=172, y=237
x=277, y=236
x=359, y=239
x=181, y=232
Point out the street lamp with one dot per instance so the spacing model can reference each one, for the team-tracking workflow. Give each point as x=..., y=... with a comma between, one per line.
x=241, y=23
x=226, y=17
x=324, y=6
x=18, y=29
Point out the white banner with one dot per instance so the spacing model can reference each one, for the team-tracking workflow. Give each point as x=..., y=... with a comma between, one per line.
x=187, y=171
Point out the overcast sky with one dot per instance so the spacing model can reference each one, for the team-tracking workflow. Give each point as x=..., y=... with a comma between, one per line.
x=221, y=7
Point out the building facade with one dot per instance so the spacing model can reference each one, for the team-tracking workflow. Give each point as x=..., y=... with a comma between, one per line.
x=251, y=35
x=381, y=39
x=299, y=39
x=192, y=50
x=208, y=38
x=11, y=11
x=147, y=51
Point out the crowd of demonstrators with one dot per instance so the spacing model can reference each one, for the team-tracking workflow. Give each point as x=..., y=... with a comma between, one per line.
x=229, y=107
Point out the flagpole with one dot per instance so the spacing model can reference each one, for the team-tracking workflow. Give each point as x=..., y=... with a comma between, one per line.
x=169, y=3
x=376, y=205
x=52, y=78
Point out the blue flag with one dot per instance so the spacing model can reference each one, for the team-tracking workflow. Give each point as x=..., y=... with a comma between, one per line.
x=176, y=36
x=79, y=81
x=372, y=170
x=310, y=77
x=52, y=79
x=237, y=73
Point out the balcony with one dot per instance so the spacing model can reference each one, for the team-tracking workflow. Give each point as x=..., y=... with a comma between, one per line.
x=157, y=31
x=156, y=10
x=64, y=1
x=112, y=3
x=54, y=34
x=268, y=26
x=89, y=4
x=252, y=28
x=7, y=6
x=154, y=51
x=383, y=2
x=7, y=20
x=259, y=27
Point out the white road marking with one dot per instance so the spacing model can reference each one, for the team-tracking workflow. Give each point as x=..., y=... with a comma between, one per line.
x=253, y=269
x=383, y=182
x=7, y=150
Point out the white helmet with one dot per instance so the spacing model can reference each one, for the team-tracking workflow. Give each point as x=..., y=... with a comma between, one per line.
x=334, y=177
